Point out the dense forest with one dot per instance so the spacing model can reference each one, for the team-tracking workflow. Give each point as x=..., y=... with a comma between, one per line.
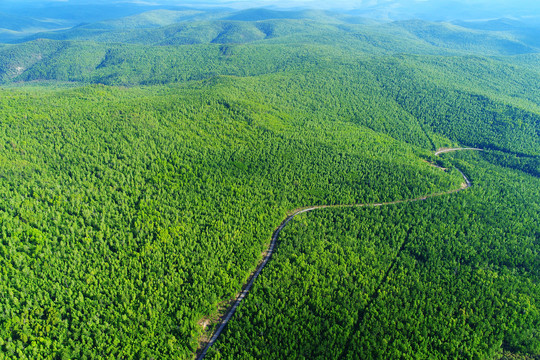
x=145, y=163
x=452, y=277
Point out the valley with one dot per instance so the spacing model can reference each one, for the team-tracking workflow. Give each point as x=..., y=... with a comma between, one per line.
x=146, y=160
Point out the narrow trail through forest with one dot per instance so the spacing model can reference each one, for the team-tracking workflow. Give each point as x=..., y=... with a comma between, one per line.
x=269, y=252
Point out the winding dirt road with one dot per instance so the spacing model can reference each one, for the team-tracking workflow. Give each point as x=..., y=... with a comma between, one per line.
x=445, y=150
x=299, y=211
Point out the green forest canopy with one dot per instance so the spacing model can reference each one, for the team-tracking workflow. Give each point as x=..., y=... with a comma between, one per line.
x=141, y=182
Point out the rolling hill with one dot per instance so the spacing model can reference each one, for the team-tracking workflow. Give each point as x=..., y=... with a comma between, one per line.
x=116, y=51
x=13, y=27
x=146, y=160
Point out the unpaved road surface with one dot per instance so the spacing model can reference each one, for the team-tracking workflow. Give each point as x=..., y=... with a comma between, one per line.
x=240, y=296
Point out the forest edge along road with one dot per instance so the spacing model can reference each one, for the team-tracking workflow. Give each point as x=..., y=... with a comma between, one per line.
x=299, y=211
x=445, y=150
x=242, y=294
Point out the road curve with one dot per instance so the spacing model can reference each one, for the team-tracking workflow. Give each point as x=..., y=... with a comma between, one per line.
x=445, y=150
x=299, y=211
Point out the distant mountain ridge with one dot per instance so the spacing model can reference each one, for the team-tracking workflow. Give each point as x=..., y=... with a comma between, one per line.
x=165, y=46
x=167, y=27
x=22, y=19
x=16, y=27
x=69, y=19
x=526, y=31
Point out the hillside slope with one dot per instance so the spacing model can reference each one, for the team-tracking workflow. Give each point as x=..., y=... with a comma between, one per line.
x=146, y=161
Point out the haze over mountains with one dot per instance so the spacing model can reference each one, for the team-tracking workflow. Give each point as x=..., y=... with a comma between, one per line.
x=20, y=19
x=104, y=42
x=148, y=151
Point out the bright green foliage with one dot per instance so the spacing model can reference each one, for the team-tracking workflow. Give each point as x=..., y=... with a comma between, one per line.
x=141, y=179
x=466, y=283
x=325, y=268
x=467, y=117
x=451, y=277
x=127, y=215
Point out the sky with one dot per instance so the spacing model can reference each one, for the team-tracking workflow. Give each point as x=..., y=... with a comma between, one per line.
x=21, y=18
x=351, y=4
x=392, y=9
